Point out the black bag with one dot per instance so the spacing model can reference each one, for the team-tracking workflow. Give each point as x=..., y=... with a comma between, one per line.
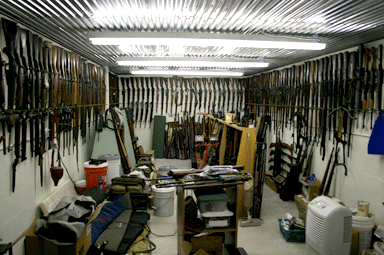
x=190, y=209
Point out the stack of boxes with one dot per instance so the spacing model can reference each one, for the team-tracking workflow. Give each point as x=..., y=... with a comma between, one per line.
x=212, y=205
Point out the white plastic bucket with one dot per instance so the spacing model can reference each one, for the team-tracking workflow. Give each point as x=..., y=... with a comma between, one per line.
x=113, y=166
x=163, y=201
x=164, y=171
x=364, y=225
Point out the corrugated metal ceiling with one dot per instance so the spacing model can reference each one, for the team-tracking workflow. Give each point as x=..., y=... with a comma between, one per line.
x=343, y=23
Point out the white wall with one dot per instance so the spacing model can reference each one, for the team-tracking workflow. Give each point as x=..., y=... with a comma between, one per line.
x=365, y=179
x=144, y=133
x=18, y=209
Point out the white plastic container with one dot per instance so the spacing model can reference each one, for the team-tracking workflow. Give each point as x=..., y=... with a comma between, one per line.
x=364, y=225
x=113, y=166
x=213, y=206
x=217, y=219
x=163, y=201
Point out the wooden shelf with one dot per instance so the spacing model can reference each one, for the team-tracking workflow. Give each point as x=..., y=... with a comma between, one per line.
x=213, y=230
x=230, y=232
x=246, y=152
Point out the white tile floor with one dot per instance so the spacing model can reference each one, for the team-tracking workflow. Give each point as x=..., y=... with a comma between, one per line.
x=264, y=239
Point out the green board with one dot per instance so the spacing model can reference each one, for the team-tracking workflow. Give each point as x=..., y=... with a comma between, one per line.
x=158, y=136
x=105, y=143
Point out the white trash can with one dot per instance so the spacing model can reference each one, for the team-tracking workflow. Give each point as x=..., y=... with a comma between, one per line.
x=113, y=166
x=163, y=201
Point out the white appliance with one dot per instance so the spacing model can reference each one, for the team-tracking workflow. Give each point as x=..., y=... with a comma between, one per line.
x=328, y=227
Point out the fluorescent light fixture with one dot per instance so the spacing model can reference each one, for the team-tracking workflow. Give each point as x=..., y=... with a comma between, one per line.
x=190, y=63
x=188, y=73
x=203, y=40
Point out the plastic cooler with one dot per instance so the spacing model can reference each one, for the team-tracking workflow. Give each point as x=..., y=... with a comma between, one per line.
x=212, y=202
x=96, y=175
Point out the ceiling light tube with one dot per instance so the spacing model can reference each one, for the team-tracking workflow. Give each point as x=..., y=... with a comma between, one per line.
x=204, y=40
x=180, y=63
x=187, y=73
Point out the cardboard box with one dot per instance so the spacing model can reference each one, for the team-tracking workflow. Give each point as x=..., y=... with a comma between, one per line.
x=268, y=180
x=186, y=248
x=35, y=245
x=312, y=190
x=207, y=243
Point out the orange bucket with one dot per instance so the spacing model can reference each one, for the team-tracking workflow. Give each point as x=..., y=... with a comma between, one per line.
x=96, y=175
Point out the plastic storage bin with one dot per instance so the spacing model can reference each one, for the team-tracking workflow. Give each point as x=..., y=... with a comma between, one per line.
x=292, y=235
x=215, y=202
x=217, y=219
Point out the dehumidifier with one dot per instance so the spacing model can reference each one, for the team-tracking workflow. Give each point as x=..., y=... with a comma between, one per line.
x=328, y=227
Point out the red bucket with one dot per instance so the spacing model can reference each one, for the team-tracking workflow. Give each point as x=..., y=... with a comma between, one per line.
x=96, y=175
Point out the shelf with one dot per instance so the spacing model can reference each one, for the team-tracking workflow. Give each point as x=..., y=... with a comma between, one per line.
x=212, y=230
x=230, y=233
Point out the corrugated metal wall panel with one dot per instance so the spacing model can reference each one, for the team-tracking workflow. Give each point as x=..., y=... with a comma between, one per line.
x=343, y=23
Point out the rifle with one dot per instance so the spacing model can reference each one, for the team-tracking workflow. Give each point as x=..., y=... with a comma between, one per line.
x=152, y=98
x=195, y=93
x=128, y=92
x=209, y=94
x=186, y=95
x=162, y=94
x=123, y=91
x=166, y=94
x=332, y=82
x=147, y=102
x=233, y=94
x=175, y=79
x=192, y=91
x=2, y=105
x=120, y=139
x=352, y=90
x=14, y=75
x=142, y=88
x=181, y=82
x=199, y=92
x=85, y=99
x=224, y=92
x=373, y=81
x=25, y=88
x=137, y=104
x=380, y=79
x=312, y=81
x=343, y=90
x=324, y=96
x=366, y=85
x=76, y=102
x=326, y=173
x=132, y=88
x=11, y=73
x=157, y=92
x=128, y=112
x=171, y=85
x=360, y=74
x=30, y=90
